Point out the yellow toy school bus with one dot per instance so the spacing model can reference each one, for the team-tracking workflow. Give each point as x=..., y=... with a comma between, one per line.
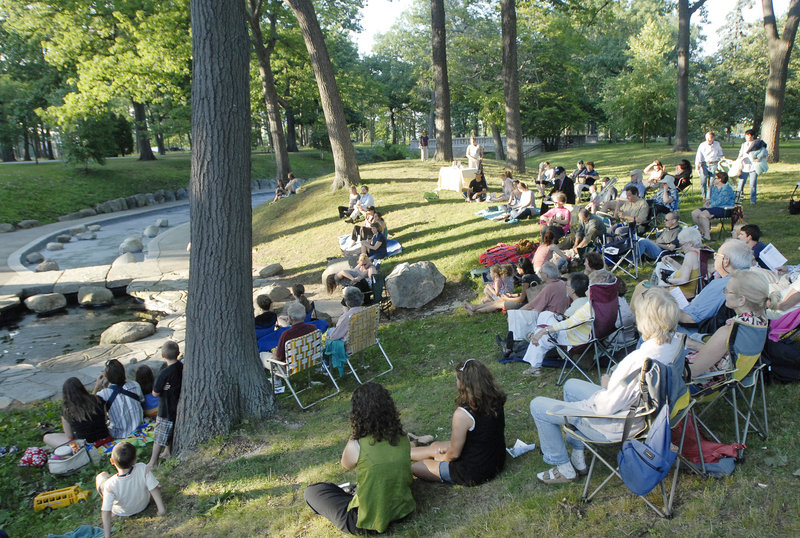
x=59, y=498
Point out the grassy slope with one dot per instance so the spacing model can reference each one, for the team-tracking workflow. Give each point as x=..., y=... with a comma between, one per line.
x=251, y=482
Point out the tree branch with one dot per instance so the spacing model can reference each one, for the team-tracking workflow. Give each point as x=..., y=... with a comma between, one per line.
x=699, y=3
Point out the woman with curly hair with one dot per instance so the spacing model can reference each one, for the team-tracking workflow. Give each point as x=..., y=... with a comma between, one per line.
x=378, y=450
x=476, y=451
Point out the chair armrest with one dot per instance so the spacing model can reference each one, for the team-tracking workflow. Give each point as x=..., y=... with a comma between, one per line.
x=567, y=410
x=708, y=376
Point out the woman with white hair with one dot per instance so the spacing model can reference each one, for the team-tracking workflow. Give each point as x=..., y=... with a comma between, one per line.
x=672, y=274
x=656, y=319
x=571, y=332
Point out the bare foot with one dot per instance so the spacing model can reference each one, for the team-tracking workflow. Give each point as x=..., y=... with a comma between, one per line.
x=469, y=308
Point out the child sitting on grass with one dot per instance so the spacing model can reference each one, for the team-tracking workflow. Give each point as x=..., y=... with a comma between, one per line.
x=128, y=492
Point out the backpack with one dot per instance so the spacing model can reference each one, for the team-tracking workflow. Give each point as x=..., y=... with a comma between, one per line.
x=783, y=360
x=116, y=390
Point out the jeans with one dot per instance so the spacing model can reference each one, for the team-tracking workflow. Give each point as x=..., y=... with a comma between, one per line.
x=331, y=501
x=551, y=440
x=707, y=172
x=753, y=184
x=650, y=248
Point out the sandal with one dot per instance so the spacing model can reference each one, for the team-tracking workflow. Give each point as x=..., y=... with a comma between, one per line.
x=553, y=476
x=420, y=439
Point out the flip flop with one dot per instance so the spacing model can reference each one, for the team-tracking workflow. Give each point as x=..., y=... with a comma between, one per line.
x=420, y=439
x=553, y=476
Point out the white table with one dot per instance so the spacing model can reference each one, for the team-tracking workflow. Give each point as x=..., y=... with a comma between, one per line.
x=455, y=179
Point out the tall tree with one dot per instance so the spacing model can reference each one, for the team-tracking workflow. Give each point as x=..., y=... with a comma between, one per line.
x=441, y=85
x=344, y=154
x=516, y=157
x=780, y=52
x=685, y=12
x=223, y=380
x=264, y=55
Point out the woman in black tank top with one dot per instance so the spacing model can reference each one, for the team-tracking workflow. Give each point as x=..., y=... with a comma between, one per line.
x=476, y=451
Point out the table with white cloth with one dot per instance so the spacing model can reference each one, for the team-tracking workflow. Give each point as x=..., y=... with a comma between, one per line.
x=455, y=179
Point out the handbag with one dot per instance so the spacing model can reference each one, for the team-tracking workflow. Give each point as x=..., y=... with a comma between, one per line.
x=67, y=465
x=794, y=205
x=643, y=465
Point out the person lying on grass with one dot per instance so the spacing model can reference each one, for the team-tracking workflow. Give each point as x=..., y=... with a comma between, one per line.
x=510, y=301
x=476, y=451
x=378, y=450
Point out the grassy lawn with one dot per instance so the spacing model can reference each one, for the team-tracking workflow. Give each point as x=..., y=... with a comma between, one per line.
x=250, y=483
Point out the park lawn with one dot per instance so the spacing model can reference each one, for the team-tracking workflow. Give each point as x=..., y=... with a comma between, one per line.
x=48, y=190
x=251, y=481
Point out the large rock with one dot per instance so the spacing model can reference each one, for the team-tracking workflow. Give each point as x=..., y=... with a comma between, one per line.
x=159, y=196
x=94, y=227
x=131, y=244
x=6, y=227
x=414, y=285
x=151, y=200
x=182, y=194
x=271, y=270
x=169, y=196
x=150, y=231
x=47, y=265
x=123, y=259
x=34, y=257
x=162, y=223
x=130, y=202
x=29, y=223
x=54, y=246
x=64, y=238
x=277, y=293
x=141, y=200
x=75, y=230
x=46, y=302
x=95, y=296
x=127, y=331
x=86, y=236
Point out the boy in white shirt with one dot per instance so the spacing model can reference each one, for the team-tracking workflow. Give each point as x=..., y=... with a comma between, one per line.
x=129, y=491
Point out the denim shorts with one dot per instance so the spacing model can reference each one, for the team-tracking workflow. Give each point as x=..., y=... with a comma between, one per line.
x=444, y=472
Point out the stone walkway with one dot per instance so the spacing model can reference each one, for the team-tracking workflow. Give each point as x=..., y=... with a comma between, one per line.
x=161, y=281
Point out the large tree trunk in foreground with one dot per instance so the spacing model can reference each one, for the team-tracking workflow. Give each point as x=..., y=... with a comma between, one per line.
x=441, y=85
x=223, y=380
x=780, y=51
x=142, y=138
x=685, y=12
x=264, y=55
x=516, y=157
x=344, y=155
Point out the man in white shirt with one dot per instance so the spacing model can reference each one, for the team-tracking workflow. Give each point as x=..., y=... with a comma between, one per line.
x=709, y=153
x=474, y=154
x=362, y=205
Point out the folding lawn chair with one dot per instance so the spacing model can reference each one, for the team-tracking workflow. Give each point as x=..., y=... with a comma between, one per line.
x=745, y=344
x=363, y=334
x=704, y=275
x=731, y=215
x=622, y=252
x=655, y=383
x=604, y=304
x=302, y=354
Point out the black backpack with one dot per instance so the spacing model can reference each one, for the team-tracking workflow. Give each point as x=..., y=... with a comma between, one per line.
x=783, y=357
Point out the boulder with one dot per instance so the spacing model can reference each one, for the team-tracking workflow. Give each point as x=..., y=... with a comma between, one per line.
x=87, y=212
x=94, y=227
x=130, y=201
x=29, y=223
x=54, y=246
x=63, y=238
x=151, y=200
x=34, y=257
x=159, y=196
x=414, y=285
x=47, y=265
x=169, y=196
x=277, y=293
x=123, y=259
x=122, y=203
x=72, y=216
x=6, y=227
x=150, y=231
x=127, y=331
x=95, y=296
x=75, y=230
x=162, y=223
x=104, y=207
x=141, y=200
x=46, y=302
x=86, y=236
x=271, y=270
x=131, y=244
x=182, y=194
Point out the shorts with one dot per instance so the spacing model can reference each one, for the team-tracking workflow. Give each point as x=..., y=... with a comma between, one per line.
x=162, y=434
x=444, y=472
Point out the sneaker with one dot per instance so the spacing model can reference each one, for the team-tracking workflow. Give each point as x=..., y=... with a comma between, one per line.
x=535, y=372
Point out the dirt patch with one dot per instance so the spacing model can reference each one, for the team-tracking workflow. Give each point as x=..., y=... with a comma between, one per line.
x=453, y=296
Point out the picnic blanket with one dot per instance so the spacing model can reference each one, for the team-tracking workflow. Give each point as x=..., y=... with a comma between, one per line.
x=351, y=247
x=492, y=215
x=501, y=253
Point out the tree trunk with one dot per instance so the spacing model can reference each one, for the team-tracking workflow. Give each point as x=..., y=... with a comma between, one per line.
x=50, y=154
x=223, y=380
x=142, y=137
x=516, y=157
x=7, y=153
x=291, y=133
x=441, y=87
x=264, y=55
x=344, y=154
x=499, y=154
x=682, y=117
x=26, y=144
x=393, y=125
x=780, y=51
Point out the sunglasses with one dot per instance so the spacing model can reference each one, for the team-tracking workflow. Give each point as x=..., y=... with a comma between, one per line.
x=465, y=365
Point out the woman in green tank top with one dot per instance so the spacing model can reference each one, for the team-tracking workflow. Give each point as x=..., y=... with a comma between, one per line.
x=379, y=451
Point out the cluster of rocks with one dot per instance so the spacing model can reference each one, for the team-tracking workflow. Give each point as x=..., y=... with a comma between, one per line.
x=160, y=196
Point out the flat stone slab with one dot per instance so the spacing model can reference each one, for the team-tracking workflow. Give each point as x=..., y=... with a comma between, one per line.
x=73, y=279
x=31, y=283
x=8, y=302
x=27, y=391
x=81, y=359
x=122, y=275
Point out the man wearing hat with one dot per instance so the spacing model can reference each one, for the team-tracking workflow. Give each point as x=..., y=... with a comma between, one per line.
x=666, y=198
x=561, y=183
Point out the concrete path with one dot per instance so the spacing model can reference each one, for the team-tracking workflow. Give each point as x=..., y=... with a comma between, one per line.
x=161, y=281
